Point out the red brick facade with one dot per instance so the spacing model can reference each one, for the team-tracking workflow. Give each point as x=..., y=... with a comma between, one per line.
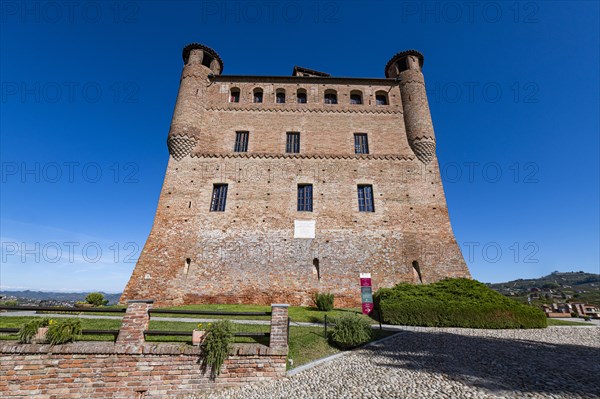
x=251, y=252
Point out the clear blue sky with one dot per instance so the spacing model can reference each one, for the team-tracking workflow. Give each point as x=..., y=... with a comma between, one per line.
x=88, y=90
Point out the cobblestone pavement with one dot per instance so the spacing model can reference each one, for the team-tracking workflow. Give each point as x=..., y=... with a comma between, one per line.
x=557, y=362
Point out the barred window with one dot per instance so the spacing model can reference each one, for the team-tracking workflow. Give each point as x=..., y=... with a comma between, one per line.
x=305, y=199
x=365, y=198
x=361, y=144
x=241, y=142
x=292, y=144
x=219, y=198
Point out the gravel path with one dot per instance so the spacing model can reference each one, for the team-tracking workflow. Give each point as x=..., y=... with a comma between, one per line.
x=557, y=362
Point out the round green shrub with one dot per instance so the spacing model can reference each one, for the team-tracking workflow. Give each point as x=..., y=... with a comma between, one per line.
x=323, y=302
x=350, y=330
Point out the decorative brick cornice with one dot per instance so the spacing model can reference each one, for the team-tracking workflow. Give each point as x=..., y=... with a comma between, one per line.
x=391, y=157
x=333, y=110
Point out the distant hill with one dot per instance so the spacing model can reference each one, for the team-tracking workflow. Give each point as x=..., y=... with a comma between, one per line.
x=558, y=286
x=57, y=296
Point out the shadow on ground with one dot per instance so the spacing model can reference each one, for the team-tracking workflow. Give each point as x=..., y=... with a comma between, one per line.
x=497, y=364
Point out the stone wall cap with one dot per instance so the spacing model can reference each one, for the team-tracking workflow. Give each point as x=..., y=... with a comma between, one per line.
x=280, y=305
x=140, y=301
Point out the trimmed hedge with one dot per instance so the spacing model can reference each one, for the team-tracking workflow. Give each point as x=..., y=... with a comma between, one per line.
x=454, y=303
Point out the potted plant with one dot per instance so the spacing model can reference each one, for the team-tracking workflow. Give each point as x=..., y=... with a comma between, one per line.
x=199, y=333
x=34, y=331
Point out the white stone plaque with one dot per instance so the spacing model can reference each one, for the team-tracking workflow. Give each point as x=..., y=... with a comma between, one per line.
x=304, y=229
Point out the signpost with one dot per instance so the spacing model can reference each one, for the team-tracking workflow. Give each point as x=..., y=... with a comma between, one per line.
x=366, y=293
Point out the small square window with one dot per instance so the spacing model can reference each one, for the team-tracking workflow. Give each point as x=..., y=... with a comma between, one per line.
x=235, y=96
x=365, y=198
x=241, y=142
x=219, y=198
x=305, y=199
x=258, y=96
x=292, y=144
x=301, y=98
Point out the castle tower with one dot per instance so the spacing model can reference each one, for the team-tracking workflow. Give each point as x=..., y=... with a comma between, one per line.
x=281, y=186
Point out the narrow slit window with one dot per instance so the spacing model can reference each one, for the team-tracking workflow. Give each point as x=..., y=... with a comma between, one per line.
x=241, y=142
x=365, y=198
x=219, y=198
x=305, y=197
x=361, y=143
x=292, y=144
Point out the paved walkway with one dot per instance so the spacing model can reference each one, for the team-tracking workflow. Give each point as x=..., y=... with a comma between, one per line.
x=557, y=362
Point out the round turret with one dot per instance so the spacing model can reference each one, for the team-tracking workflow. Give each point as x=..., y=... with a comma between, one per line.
x=402, y=61
x=199, y=54
x=406, y=67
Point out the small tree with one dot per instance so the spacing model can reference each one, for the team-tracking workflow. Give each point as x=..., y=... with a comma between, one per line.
x=96, y=299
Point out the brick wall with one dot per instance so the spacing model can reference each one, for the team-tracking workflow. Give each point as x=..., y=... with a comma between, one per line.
x=132, y=368
x=107, y=370
x=249, y=254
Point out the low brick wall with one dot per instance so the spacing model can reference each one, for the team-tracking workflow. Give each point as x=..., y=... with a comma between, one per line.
x=131, y=368
x=108, y=370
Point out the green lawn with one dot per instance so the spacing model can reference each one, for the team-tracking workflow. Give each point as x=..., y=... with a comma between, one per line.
x=306, y=343
x=296, y=313
x=555, y=322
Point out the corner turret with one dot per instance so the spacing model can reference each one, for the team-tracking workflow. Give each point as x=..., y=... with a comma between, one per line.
x=200, y=64
x=406, y=67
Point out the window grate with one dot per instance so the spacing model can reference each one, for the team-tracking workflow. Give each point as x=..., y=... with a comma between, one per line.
x=241, y=142
x=365, y=198
x=219, y=198
x=292, y=144
x=361, y=143
x=305, y=197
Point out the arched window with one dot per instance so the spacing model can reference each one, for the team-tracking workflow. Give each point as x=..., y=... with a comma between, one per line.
x=381, y=98
x=258, y=95
x=330, y=96
x=356, y=97
x=301, y=96
x=280, y=96
x=234, y=95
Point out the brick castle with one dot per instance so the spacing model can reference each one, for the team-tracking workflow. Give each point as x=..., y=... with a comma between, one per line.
x=281, y=186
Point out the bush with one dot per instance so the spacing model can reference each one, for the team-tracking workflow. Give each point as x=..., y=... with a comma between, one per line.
x=323, y=302
x=96, y=299
x=29, y=329
x=63, y=331
x=455, y=303
x=216, y=345
x=350, y=330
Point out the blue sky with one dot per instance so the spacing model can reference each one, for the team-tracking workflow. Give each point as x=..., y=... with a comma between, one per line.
x=88, y=90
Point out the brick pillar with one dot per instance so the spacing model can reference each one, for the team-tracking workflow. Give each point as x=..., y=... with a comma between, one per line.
x=135, y=322
x=279, y=327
